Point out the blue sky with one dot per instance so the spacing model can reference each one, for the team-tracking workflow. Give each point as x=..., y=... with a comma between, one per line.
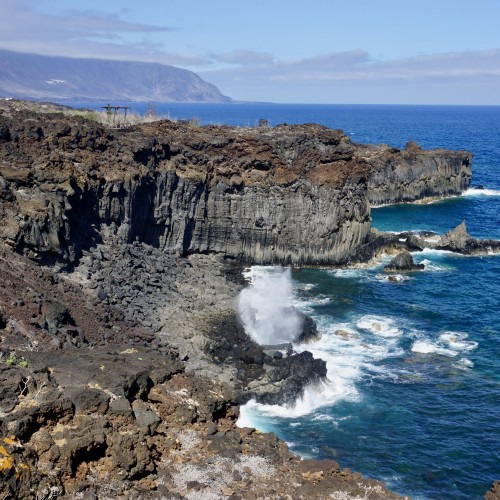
x=350, y=51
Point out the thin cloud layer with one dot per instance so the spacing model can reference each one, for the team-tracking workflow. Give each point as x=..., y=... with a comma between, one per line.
x=243, y=58
x=356, y=73
x=85, y=33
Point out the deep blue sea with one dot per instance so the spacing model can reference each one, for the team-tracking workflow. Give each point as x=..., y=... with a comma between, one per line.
x=414, y=391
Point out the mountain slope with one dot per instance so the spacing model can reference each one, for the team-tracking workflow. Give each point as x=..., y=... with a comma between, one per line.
x=31, y=76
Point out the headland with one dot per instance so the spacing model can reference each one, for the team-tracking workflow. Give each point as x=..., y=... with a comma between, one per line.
x=121, y=250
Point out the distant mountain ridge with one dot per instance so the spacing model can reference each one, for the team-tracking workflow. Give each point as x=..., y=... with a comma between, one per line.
x=32, y=76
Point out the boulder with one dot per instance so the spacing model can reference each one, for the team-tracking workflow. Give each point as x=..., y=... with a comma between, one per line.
x=403, y=262
x=309, y=332
x=455, y=240
x=494, y=492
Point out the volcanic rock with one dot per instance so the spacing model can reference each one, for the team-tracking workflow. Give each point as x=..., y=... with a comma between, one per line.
x=403, y=262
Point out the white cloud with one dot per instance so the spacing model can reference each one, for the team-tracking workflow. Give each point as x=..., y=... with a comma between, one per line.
x=244, y=57
x=84, y=33
x=356, y=75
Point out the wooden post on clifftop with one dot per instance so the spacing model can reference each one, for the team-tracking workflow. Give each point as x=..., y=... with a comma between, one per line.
x=116, y=109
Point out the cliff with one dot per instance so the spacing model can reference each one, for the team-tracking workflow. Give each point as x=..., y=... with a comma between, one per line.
x=32, y=76
x=289, y=194
x=414, y=174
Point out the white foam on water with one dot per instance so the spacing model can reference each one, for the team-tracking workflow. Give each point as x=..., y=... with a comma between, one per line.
x=458, y=341
x=313, y=398
x=435, y=251
x=398, y=278
x=379, y=325
x=431, y=266
x=428, y=347
x=306, y=286
x=449, y=344
x=481, y=192
x=348, y=273
x=323, y=300
x=464, y=364
x=323, y=418
x=309, y=303
x=352, y=350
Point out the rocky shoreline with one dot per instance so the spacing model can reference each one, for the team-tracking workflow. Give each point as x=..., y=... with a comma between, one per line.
x=123, y=360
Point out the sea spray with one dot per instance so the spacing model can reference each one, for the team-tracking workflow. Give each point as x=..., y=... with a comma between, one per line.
x=266, y=306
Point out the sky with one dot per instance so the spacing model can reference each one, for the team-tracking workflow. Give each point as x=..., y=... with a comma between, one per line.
x=307, y=51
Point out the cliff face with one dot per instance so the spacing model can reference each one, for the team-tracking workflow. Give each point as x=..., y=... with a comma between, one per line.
x=289, y=194
x=414, y=174
x=289, y=224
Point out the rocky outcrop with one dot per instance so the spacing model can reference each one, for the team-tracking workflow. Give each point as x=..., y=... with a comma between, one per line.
x=122, y=361
x=266, y=376
x=290, y=194
x=403, y=262
x=457, y=240
x=413, y=174
x=96, y=402
x=494, y=492
x=129, y=424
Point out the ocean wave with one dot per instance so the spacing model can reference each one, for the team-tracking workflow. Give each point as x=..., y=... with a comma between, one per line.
x=481, y=192
x=464, y=364
x=393, y=278
x=435, y=251
x=306, y=286
x=431, y=266
x=307, y=304
x=427, y=347
x=379, y=325
x=458, y=341
x=449, y=344
x=314, y=397
x=348, y=273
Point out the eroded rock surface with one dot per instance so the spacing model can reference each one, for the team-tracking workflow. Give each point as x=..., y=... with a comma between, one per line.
x=414, y=174
x=403, y=262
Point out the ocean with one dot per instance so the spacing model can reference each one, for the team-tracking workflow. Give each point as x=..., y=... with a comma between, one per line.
x=413, y=397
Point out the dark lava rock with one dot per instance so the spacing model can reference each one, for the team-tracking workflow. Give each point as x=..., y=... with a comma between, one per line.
x=261, y=375
x=456, y=239
x=309, y=332
x=403, y=262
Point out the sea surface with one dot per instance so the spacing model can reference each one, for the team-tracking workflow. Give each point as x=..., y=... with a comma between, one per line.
x=413, y=397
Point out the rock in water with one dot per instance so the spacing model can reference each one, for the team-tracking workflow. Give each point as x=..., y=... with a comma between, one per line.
x=456, y=239
x=403, y=262
x=309, y=332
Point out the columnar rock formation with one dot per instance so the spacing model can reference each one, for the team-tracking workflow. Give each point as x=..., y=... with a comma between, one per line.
x=414, y=174
x=289, y=194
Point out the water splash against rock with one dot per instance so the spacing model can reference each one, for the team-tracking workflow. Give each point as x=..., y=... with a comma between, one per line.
x=266, y=306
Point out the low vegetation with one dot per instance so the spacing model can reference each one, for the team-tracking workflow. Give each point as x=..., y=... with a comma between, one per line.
x=111, y=118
